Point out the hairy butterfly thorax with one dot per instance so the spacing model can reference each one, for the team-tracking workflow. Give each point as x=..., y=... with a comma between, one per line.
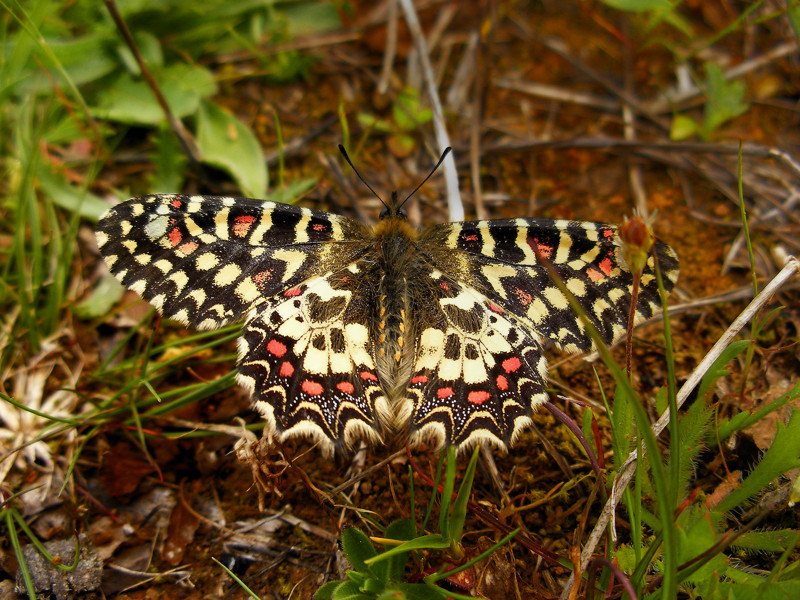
x=350, y=330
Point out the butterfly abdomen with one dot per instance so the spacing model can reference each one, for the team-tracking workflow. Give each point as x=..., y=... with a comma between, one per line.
x=394, y=343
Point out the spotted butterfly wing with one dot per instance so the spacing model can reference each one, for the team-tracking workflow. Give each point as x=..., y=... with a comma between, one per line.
x=480, y=368
x=307, y=357
x=351, y=330
x=205, y=261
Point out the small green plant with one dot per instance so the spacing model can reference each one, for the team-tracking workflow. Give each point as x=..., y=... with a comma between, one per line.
x=383, y=575
x=653, y=12
x=703, y=533
x=724, y=101
x=408, y=114
x=690, y=539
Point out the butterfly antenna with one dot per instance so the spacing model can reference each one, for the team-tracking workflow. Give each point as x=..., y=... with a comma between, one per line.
x=364, y=181
x=441, y=160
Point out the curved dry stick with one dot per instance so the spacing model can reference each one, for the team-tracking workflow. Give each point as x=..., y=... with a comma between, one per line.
x=626, y=471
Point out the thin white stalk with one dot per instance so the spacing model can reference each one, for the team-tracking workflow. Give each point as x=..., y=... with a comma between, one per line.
x=455, y=207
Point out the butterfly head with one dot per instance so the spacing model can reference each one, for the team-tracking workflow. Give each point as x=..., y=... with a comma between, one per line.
x=393, y=210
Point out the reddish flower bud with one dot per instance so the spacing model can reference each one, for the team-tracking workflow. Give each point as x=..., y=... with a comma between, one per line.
x=635, y=238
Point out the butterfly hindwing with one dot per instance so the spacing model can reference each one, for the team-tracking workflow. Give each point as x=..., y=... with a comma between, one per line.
x=206, y=260
x=479, y=372
x=307, y=356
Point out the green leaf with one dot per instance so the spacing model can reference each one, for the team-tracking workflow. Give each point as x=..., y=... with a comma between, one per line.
x=305, y=18
x=447, y=492
x=226, y=143
x=767, y=540
x=636, y=6
x=626, y=557
x=794, y=497
x=393, y=568
x=792, y=571
x=169, y=161
x=459, y=513
x=67, y=130
x=421, y=591
x=358, y=548
x=622, y=424
x=408, y=111
x=586, y=427
x=373, y=586
x=368, y=121
x=69, y=197
x=794, y=17
x=292, y=190
x=724, y=99
x=767, y=590
x=348, y=591
x=130, y=100
x=682, y=127
x=150, y=49
x=696, y=534
x=103, y=297
x=85, y=59
x=432, y=541
x=783, y=455
x=327, y=590
x=692, y=427
x=719, y=368
x=743, y=420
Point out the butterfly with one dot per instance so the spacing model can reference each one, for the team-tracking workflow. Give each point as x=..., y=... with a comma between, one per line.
x=353, y=330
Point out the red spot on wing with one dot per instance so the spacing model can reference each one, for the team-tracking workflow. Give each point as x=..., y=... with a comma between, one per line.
x=524, y=297
x=478, y=397
x=502, y=383
x=287, y=368
x=319, y=227
x=176, y=203
x=606, y=266
x=511, y=364
x=261, y=279
x=367, y=376
x=420, y=379
x=292, y=292
x=188, y=247
x=312, y=388
x=276, y=348
x=608, y=233
x=444, y=285
x=443, y=393
x=471, y=238
x=494, y=308
x=175, y=236
x=242, y=224
x=346, y=387
x=594, y=274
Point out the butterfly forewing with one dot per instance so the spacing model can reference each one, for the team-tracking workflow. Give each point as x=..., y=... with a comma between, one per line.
x=205, y=261
x=508, y=261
